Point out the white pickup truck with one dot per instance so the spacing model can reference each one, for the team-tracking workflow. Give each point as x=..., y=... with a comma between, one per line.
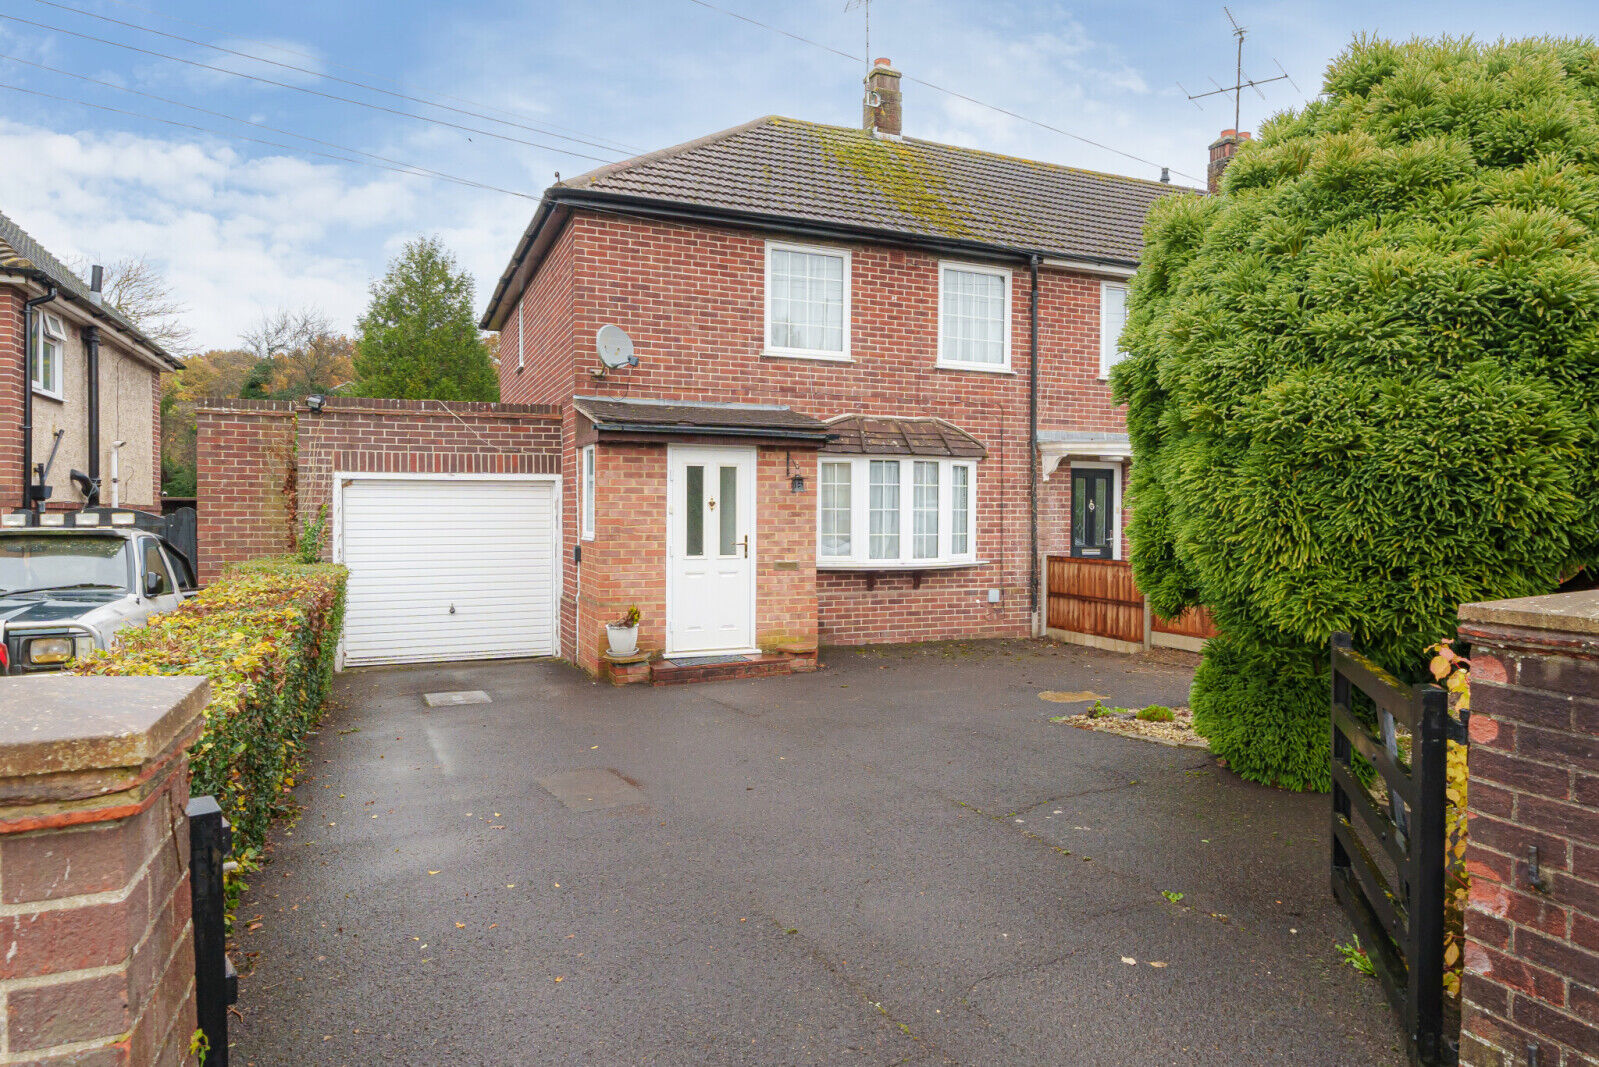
x=65, y=592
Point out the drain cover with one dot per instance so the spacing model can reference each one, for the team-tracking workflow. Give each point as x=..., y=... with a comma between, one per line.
x=592, y=789
x=447, y=700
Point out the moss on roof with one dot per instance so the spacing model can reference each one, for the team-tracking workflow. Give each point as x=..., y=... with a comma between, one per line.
x=900, y=173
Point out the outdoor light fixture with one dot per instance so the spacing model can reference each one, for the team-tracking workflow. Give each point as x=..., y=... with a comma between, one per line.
x=796, y=482
x=315, y=402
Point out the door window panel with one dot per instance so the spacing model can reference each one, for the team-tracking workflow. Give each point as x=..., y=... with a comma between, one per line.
x=694, y=510
x=727, y=504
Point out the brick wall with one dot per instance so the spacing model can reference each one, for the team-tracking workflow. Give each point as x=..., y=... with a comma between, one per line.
x=96, y=937
x=692, y=298
x=245, y=481
x=1532, y=951
x=264, y=465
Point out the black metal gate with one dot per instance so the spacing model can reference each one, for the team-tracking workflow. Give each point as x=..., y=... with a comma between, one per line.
x=1396, y=898
x=216, y=984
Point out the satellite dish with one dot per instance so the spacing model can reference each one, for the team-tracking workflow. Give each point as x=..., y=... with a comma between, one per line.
x=615, y=347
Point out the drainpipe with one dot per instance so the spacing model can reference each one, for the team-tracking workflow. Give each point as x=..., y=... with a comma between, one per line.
x=91, y=343
x=27, y=394
x=1032, y=440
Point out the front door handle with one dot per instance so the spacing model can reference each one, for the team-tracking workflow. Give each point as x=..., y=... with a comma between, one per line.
x=746, y=544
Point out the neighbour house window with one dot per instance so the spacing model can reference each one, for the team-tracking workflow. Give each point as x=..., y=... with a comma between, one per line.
x=1112, y=319
x=973, y=317
x=521, y=334
x=807, y=302
x=586, y=493
x=49, y=338
x=912, y=511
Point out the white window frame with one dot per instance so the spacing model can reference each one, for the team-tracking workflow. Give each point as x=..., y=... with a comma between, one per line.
x=48, y=330
x=859, y=557
x=841, y=356
x=586, y=477
x=1003, y=273
x=1109, y=353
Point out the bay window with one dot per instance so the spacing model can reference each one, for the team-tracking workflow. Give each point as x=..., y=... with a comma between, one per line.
x=894, y=512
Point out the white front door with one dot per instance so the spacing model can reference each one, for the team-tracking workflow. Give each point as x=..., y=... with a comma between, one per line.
x=710, y=550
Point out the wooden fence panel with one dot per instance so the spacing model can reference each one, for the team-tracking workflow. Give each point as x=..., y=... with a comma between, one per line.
x=1095, y=596
x=1195, y=622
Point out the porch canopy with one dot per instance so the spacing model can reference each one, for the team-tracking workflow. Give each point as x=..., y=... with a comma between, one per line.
x=645, y=420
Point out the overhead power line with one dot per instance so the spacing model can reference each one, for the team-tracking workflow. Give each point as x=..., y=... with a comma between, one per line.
x=318, y=74
x=947, y=92
x=402, y=169
x=286, y=50
x=304, y=89
x=410, y=167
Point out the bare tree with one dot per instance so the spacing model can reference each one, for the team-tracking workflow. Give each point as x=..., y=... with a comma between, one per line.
x=138, y=289
x=303, y=351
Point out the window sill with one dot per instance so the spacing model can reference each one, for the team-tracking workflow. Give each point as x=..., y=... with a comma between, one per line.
x=874, y=571
x=817, y=357
x=978, y=367
x=58, y=397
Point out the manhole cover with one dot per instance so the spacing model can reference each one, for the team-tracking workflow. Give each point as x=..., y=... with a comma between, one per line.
x=448, y=700
x=592, y=789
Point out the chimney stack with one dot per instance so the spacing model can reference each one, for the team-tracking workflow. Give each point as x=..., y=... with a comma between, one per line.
x=1222, y=151
x=880, y=113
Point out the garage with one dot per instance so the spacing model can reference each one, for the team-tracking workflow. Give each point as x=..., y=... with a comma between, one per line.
x=454, y=567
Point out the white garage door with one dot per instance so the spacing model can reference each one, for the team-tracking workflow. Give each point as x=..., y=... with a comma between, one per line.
x=448, y=569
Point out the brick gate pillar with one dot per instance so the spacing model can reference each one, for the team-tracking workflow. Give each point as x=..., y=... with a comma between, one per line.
x=1532, y=934
x=96, y=943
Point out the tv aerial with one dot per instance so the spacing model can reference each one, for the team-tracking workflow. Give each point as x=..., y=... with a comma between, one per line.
x=1241, y=83
x=615, y=350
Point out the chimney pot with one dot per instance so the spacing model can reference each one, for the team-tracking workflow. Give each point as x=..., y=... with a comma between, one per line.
x=96, y=284
x=881, y=110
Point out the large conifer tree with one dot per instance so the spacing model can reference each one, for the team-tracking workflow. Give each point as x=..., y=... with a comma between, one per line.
x=1365, y=379
x=418, y=339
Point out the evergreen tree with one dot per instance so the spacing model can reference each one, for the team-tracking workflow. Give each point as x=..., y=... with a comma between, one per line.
x=418, y=339
x=1364, y=386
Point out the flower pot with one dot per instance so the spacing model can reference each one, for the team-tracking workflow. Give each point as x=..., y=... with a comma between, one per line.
x=623, y=639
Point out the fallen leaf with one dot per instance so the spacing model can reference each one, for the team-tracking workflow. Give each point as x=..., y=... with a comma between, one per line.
x=560, y=978
x=1129, y=961
x=591, y=749
x=1157, y=963
x=460, y=926
x=433, y=872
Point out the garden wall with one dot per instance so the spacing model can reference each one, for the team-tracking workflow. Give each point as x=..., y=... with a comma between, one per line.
x=1532, y=935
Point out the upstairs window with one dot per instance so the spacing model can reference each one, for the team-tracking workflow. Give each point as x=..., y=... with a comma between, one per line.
x=1112, y=320
x=49, y=337
x=807, y=302
x=973, y=317
x=894, y=512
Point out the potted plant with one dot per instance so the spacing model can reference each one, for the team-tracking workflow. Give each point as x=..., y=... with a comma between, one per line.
x=623, y=633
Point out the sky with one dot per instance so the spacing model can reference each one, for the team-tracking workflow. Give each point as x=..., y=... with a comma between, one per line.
x=242, y=228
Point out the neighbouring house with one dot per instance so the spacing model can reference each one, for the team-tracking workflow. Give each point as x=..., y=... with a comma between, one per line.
x=87, y=386
x=842, y=338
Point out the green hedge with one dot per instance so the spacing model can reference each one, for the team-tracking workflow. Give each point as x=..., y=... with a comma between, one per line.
x=266, y=634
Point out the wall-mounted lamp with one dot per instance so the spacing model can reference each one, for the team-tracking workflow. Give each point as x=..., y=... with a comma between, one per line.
x=796, y=481
x=315, y=402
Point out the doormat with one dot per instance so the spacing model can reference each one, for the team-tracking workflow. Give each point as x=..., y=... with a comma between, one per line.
x=701, y=661
x=450, y=700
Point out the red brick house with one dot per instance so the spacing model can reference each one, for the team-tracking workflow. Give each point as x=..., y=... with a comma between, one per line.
x=870, y=395
x=89, y=380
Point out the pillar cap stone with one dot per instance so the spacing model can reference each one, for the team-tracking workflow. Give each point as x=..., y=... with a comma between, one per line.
x=1574, y=613
x=59, y=724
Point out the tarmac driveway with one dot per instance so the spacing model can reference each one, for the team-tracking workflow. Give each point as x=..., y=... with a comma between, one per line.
x=898, y=859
